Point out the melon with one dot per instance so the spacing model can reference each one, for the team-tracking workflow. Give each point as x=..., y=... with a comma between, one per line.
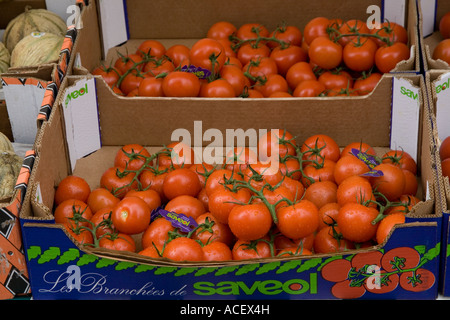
x=5, y=58
x=5, y=143
x=32, y=20
x=10, y=165
x=37, y=48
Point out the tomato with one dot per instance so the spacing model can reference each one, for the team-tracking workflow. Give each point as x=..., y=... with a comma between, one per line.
x=100, y=198
x=321, y=193
x=298, y=72
x=249, y=51
x=351, y=27
x=157, y=233
x=325, y=53
x=276, y=143
x=221, y=30
x=118, y=182
x=151, y=252
x=280, y=196
x=250, y=221
x=444, y=149
x=181, y=181
x=109, y=74
x=187, y=205
x=366, y=84
x=67, y=210
x=387, y=57
x=153, y=181
x=295, y=187
x=82, y=236
x=445, y=166
x=217, y=251
x=239, y=158
x=290, y=167
x=119, y=241
x=151, y=197
x=293, y=251
x=72, y=187
x=154, y=68
x=152, y=48
x=336, y=79
x=320, y=146
x=131, y=215
x=131, y=157
x=251, y=31
x=180, y=156
x=359, y=55
x=271, y=84
x=354, y=189
x=212, y=230
x=321, y=171
x=219, y=88
x=287, y=34
x=151, y=87
x=361, y=146
x=355, y=222
x=392, y=31
x=444, y=26
x=281, y=241
x=316, y=27
x=260, y=67
x=177, y=53
x=221, y=202
x=183, y=249
x=298, y=220
x=327, y=214
x=124, y=63
x=385, y=226
x=259, y=174
x=401, y=159
x=216, y=180
x=203, y=170
x=287, y=57
x=130, y=82
x=244, y=250
x=252, y=93
x=392, y=183
x=209, y=54
x=235, y=77
x=103, y=217
x=329, y=240
x=442, y=51
x=181, y=84
x=309, y=88
x=349, y=165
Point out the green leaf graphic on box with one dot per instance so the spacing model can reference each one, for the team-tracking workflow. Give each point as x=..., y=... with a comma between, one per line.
x=164, y=270
x=184, y=271
x=267, y=267
x=49, y=254
x=33, y=252
x=420, y=249
x=433, y=252
x=123, y=265
x=225, y=270
x=328, y=261
x=246, y=269
x=288, y=266
x=86, y=259
x=309, y=264
x=143, y=268
x=105, y=262
x=204, y=271
x=69, y=256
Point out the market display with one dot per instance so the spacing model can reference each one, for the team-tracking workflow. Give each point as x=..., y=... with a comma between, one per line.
x=329, y=57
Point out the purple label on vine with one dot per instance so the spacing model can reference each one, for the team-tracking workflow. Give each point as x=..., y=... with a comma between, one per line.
x=200, y=72
x=178, y=220
x=370, y=161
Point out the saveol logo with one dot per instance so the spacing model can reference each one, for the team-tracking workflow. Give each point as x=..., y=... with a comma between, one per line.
x=264, y=287
x=409, y=93
x=443, y=86
x=76, y=93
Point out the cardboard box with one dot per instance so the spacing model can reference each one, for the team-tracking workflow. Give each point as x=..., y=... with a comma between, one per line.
x=107, y=25
x=58, y=265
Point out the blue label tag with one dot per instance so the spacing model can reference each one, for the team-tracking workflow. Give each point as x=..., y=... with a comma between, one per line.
x=201, y=73
x=370, y=161
x=178, y=220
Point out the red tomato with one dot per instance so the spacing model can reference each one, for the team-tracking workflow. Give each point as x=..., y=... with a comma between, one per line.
x=154, y=68
x=217, y=251
x=181, y=181
x=209, y=54
x=321, y=192
x=249, y=51
x=239, y=158
x=355, y=222
x=82, y=236
x=210, y=230
x=216, y=180
x=177, y=53
x=250, y=221
x=352, y=26
x=100, y=198
x=183, y=249
x=130, y=82
x=235, y=77
x=320, y=145
x=391, y=184
x=298, y=220
x=287, y=57
x=109, y=74
x=157, y=233
x=260, y=67
x=131, y=156
x=203, y=170
x=445, y=166
x=354, y=189
x=288, y=35
x=391, y=31
x=72, y=187
x=219, y=88
x=131, y=215
x=119, y=241
x=102, y=221
x=118, y=182
x=244, y=250
x=69, y=209
x=181, y=84
x=329, y=240
x=151, y=87
x=359, y=55
x=349, y=165
x=124, y=63
x=221, y=30
x=272, y=83
x=325, y=53
x=444, y=26
x=328, y=214
x=361, y=146
x=401, y=159
x=333, y=80
x=444, y=149
x=180, y=155
x=385, y=226
x=152, y=48
x=298, y=72
x=187, y=205
x=259, y=174
x=276, y=144
x=153, y=181
x=251, y=31
x=309, y=88
x=316, y=27
x=222, y=201
x=386, y=58
x=321, y=171
x=366, y=84
x=151, y=197
x=442, y=51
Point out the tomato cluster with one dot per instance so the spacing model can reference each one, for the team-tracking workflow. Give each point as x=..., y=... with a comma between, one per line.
x=328, y=57
x=444, y=153
x=442, y=50
x=283, y=199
